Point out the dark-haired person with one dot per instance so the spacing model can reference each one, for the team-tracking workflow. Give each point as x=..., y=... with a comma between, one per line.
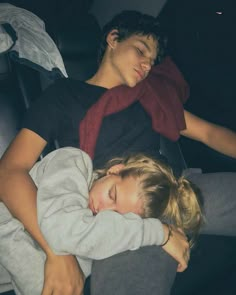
x=133, y=101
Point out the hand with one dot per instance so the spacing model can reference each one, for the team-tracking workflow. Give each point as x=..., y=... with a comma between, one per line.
x=63, y=276
x=178, y=247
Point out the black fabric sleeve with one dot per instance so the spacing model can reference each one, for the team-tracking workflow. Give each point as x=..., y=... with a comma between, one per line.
x=46, y=113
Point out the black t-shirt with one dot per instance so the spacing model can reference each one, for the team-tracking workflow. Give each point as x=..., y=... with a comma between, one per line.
x=59, y=111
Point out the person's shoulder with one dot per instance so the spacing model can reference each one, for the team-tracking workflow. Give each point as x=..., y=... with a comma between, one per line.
x=68, y=152
x=59, y=89
x=61, y=83
x=74, y=84
x=71, y=93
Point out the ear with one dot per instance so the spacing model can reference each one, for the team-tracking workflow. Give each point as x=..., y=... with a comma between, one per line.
x=115, y=169
x=112, y=38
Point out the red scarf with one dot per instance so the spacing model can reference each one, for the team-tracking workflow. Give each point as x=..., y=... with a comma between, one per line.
x=161, y=94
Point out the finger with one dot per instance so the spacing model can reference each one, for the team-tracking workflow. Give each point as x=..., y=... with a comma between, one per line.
x=47, y=291
x=187, y=254
x=182, y=266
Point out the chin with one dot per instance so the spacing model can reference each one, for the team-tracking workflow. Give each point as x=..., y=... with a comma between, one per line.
x=132, y=84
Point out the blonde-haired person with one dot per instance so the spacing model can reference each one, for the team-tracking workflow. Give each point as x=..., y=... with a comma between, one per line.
x=133, y=202
x=174, y=200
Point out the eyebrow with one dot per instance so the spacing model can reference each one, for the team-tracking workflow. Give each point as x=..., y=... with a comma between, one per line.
x=145, y=44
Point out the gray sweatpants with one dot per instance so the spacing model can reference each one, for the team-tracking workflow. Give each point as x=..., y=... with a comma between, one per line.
x=148, y=270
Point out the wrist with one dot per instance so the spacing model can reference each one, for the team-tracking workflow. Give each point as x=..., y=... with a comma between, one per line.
x=167, y=233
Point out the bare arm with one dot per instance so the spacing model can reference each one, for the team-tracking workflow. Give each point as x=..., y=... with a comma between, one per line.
x=18, y=192
x=217, y=137
x=17, y=189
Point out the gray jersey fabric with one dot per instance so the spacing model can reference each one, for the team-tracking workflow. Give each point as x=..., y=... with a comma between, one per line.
x=64, y=178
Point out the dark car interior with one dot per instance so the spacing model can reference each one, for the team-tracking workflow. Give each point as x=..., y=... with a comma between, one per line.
x=202, y=43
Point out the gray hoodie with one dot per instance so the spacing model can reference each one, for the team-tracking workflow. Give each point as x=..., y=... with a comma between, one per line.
x=64, y=178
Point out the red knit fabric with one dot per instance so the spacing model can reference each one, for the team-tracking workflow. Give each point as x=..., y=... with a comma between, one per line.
x=161, y=94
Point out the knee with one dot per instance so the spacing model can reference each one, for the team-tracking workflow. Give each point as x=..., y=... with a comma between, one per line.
x=143, y=271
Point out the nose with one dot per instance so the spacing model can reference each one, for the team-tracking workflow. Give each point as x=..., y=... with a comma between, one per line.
x=146, y=64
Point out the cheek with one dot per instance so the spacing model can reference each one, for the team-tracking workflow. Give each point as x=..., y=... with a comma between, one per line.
x=126, y=57
x=131, y=56
x=101, y=200
x=97, y=194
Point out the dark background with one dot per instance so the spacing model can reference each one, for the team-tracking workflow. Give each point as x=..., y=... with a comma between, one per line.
x=202, y=42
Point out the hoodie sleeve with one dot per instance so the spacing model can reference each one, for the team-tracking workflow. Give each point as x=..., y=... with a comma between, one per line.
x=69, y=225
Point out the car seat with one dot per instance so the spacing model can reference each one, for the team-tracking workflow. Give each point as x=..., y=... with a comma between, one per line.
x=11, y=105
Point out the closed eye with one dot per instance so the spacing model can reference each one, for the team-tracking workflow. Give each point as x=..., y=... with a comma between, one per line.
x=112, y=193
x=140, y=52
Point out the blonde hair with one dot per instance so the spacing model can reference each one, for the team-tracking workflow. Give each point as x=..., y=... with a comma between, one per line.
x=175, y=201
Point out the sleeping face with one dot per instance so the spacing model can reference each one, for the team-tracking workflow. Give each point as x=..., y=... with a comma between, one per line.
x=112, y=192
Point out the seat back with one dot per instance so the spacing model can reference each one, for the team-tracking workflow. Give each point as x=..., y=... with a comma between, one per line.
x=11, y=107
x=172, y=151
x=77, y=40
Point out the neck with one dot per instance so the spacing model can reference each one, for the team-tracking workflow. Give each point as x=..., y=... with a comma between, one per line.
x=104, y=77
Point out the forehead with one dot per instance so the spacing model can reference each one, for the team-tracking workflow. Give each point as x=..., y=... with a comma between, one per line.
x=148, y=41
x=129, y=195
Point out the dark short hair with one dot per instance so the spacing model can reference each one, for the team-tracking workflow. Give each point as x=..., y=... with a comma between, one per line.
x=130, y=22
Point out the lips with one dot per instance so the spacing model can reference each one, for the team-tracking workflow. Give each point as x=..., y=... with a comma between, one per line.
x=140, y=74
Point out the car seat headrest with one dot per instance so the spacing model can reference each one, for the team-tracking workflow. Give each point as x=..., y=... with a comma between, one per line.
x=78, y=38
x=5, y=66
